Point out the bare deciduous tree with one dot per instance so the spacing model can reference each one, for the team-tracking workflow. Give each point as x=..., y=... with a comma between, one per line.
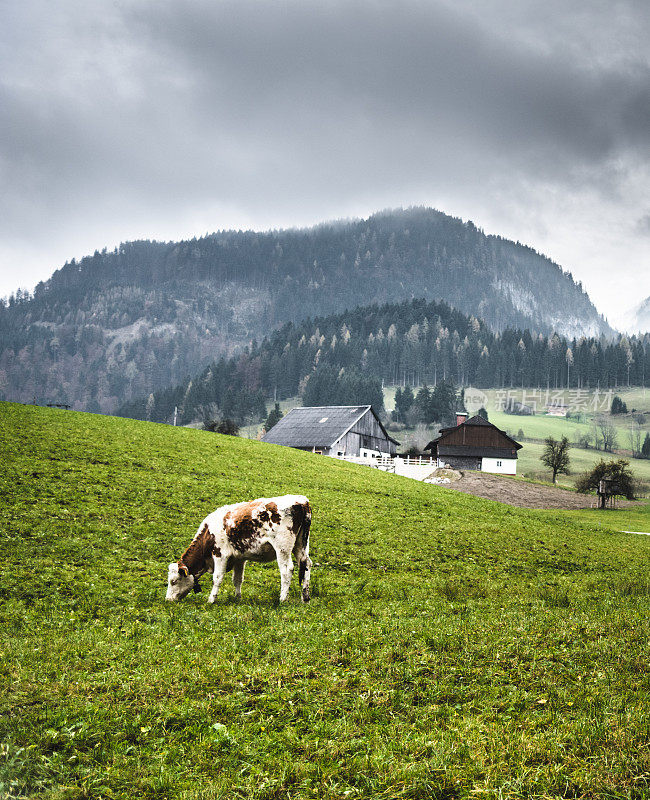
x=418, y=439
x=635, y=439
x=607, y=431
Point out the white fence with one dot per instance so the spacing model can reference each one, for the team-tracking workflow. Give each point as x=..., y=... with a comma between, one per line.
x=418, y=467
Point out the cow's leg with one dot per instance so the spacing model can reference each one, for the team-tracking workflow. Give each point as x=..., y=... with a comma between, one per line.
x=238, y=577
x=301, y=553
x=304, y=572
x=217, y=576
x=285, y=564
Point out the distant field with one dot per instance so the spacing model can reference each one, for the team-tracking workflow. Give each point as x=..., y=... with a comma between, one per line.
x=454, y=647
x=587, y=400
x=540, y=426
x=529, y=464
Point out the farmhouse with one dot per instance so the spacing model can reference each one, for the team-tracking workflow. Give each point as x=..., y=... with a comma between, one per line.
x=475, y=444
x=333, y=431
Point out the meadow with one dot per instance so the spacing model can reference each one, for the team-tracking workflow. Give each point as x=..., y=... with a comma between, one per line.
x=540, y=426
x=453, y=648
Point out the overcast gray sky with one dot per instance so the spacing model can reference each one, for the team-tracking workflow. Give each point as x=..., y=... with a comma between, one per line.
x=172, y=118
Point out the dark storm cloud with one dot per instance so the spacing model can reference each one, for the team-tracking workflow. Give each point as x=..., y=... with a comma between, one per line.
x=226, y=96
x=396, y=89
x=143, y=111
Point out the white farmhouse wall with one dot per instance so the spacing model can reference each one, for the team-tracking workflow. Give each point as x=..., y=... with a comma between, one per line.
x=501, y=466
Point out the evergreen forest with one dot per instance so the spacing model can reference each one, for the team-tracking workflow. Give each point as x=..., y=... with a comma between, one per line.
x=346, y=358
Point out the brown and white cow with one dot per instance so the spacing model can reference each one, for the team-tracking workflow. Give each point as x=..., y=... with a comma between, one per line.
x=262, y=530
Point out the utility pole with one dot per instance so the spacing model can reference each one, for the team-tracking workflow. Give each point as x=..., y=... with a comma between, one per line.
x=175, y=414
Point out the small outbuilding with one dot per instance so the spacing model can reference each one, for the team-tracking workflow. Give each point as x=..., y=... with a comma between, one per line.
x=337, y=431
x=475, y=444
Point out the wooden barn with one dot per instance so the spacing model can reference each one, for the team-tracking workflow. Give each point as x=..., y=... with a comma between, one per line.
x=475, y=444
x=337, y=431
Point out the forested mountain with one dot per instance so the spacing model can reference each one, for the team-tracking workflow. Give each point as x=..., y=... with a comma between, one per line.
x=642, y=316
x=117, y=325
x=344, y=358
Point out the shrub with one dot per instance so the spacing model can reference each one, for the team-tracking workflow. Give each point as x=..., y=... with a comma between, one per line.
x=395, y=427
x=618, y=472
x=226, y=426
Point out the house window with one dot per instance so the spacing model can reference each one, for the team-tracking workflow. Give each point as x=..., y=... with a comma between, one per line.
x=499, y=464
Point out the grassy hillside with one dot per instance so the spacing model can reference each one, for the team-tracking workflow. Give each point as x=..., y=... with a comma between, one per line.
x=454, y=647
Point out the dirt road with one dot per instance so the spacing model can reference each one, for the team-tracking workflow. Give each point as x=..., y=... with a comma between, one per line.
x=520, y=493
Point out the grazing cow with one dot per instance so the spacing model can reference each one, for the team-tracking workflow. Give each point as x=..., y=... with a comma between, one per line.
x=262, y=530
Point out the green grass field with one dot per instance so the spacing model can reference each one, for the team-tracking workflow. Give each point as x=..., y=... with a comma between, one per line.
x=542, y=425
x=631, y=518
x=454, y=647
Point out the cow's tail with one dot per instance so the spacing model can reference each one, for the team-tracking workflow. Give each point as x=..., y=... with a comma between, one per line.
x=304, y=566
x=306, y=525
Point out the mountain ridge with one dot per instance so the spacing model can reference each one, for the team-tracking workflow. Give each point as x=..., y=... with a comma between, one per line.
x=641, y=314
x=119, y=324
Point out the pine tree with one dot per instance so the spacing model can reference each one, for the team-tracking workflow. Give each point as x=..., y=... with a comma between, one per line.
x=275, y=415
x=422, y=404
x=645, y=449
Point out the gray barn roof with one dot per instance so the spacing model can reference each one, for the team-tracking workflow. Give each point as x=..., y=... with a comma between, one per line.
x=316, y=426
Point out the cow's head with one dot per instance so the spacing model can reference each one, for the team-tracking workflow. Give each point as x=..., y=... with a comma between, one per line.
x=179, y=581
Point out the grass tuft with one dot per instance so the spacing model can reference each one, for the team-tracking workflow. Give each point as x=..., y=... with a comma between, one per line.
x=555, y=597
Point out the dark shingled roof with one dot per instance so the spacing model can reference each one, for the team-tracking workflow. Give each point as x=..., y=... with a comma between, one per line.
x=476, y=420
x=472, y=421
x=315, y=426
